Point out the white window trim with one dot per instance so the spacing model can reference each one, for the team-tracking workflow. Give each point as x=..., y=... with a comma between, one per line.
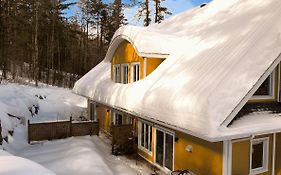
x=122, y=73
x=132, y=71
x=114, y=74
x=264, y=168
x=272, y=90
x=139, y=137
x=114, y=117
x=164, y=130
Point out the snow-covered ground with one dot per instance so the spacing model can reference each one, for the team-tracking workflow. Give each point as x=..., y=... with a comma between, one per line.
x=75, y=155
x=13, y=165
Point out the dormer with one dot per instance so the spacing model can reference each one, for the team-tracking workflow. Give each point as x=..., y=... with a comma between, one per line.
x=128, y=67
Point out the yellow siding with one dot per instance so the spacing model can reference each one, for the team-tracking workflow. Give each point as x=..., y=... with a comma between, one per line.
x=241, y=156
x=103, y=114
x=152, y=64
x=126, y=54
x=206, y=158
x=277, y=154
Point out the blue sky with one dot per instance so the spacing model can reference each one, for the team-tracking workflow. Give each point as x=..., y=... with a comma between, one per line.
x=175, y=6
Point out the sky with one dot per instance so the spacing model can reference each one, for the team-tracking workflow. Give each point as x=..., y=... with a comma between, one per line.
x=175, y=6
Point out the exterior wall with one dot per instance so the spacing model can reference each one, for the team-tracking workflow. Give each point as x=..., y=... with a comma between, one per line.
x=103, y=114
x=206, y=158
x=152, y=64
x=125, y=53
x=241, y=156
x=277, y=154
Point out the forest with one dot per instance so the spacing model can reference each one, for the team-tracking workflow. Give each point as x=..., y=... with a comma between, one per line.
x=39, y=42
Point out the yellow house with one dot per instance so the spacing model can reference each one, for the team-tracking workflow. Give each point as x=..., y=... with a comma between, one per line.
x=201, y=89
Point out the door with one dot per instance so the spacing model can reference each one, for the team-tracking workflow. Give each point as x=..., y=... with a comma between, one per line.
x=164, y=149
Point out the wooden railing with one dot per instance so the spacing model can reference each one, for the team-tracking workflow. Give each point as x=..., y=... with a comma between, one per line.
x=122, y=139
x=61, y=129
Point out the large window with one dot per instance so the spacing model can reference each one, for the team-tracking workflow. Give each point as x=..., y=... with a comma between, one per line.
x=145, y=136
x=124, y=73
x=259, y=156
x=164, y=149
x=135, y=72
x=116, y=73
x=266, y=89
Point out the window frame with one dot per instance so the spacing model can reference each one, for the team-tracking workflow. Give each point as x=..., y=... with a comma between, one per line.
x=165, y=131
x=133, y=65
x=150, y=134
x=265, y=159
x=122, y=73
x=116, y=77
x=113, y=118
x=93, y=111
x=271, y=95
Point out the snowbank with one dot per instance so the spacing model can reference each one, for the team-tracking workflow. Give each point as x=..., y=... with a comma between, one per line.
x=54, y=104
x=79, y=155
x=13, y=165
x=217, y=54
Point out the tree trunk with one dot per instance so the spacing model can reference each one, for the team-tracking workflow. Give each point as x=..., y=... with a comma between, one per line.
x=35, y=57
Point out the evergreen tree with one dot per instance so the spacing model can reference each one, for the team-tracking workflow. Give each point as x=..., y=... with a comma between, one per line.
x=144, y=12
x=160, y=11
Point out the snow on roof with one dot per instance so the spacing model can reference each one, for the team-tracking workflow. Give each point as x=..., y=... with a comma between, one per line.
x=217, y=56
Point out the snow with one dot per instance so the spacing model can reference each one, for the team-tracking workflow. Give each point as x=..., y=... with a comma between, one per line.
x=75, y=155
x=80, y=155
x=56, y=104
x=13, y=165
x=215, y=57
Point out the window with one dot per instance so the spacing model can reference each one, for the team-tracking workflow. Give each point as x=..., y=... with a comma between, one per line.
x=135, y=72
x=145, y=137
x=124, y=73
x=164, y=153
x=266, y=90
x=117, y=118
x=129, y=120
x=116, y=73
x=93, y=111
x=259, y=156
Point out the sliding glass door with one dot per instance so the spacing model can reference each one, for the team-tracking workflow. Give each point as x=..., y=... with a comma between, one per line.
x=164, y=149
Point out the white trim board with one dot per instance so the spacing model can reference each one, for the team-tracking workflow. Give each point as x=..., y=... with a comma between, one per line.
x=227, y=157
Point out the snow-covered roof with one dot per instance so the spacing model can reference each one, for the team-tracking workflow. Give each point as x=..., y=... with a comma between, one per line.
x=216, y=57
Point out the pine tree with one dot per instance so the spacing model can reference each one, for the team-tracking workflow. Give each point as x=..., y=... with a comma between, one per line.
x=160, y=11
x=144, y=11
x=118, y=17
